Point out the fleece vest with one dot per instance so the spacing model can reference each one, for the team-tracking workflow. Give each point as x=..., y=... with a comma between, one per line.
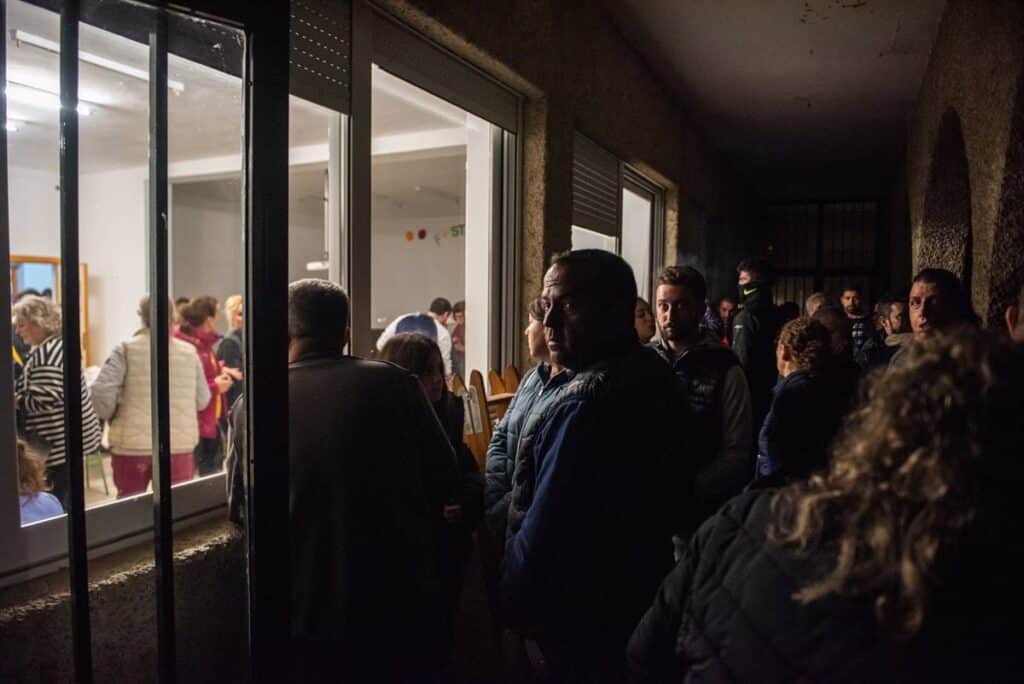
x=131, y=427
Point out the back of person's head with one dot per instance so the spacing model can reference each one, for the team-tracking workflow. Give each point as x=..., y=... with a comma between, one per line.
x=808, y=341
x=144, y=312
x=198, y=310
x=440, y=306
x=611, y=282
x=838, y=324
x=420, y=324
x=31, y=472
x=688, y=277
x=318, y=314
x=937, y=441
x=411, y=351
x=760, y=269
x=459, y=307
x=233, y=305
x=816, y=301
x=789, y=310
x=27, y=292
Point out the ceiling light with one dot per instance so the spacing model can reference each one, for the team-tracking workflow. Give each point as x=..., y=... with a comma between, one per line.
x=40, y=97
x=20, y=36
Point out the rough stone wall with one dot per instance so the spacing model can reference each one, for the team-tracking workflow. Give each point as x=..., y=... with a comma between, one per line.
x=210, y=607
x=578, y=73
x=975, y=74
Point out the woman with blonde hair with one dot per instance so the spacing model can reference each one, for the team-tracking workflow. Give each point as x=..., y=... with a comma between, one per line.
x=39, y=395
x=900, y=563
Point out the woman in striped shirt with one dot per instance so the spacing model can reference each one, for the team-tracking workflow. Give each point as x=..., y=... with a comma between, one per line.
x=40, y=393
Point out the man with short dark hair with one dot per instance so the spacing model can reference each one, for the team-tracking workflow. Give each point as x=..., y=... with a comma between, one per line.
x=1014, y=319
x=891, y=323
x=715, y=389
x=370, y=472
x=852, y=301
x=937, y=302
x=599, y=484
x=726, y=310
x=754, y=332
x=431, y=324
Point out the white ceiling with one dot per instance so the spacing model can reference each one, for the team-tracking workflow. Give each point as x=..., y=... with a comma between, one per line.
x=793, y=91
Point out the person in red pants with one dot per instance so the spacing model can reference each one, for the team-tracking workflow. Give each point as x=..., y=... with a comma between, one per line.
x=121, y=396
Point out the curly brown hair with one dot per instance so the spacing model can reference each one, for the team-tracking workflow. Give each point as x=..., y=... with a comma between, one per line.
x=935, y=443
x=808, y=341
x=31, y=472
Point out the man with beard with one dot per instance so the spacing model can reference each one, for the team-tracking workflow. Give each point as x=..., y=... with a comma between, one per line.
x=714, y=386
x=852, y=301
x=754, y=333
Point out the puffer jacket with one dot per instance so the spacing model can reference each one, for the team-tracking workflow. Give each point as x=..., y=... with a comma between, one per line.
x=599, y=489
x=534, y=395
x=727, y=614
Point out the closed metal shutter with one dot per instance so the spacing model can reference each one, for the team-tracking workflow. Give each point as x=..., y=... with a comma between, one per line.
x=596, y=182
x=321, y=52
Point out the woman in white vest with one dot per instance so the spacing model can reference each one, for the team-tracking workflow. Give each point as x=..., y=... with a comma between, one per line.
x=121, y=395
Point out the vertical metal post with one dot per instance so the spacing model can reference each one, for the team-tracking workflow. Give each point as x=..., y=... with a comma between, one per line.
x=266, y=369
x=359, y=181
x=72, y=339
x=159, y=348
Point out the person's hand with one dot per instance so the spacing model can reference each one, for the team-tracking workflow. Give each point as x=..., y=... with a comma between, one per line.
x=453, y=513
x=224, y=382
x=235, y=373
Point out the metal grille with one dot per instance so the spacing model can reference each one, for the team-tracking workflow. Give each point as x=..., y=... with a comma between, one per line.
x=595, y=187
x=822, y=246
x=321, y=52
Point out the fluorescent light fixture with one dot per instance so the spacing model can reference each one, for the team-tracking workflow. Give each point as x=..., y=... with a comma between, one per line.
x=90, y=58
x=39, y=97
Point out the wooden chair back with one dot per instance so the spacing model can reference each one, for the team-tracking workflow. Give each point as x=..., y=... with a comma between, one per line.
x=512, y=378
x=496, y=382
x=482, y=420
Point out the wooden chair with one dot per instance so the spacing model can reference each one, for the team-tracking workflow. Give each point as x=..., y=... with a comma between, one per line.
x=512, y=378
x=481, y=419
x=496, y=382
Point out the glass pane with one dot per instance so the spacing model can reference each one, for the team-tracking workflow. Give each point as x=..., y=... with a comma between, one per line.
x=584, y=238
x=637, y=225
x=433, y=207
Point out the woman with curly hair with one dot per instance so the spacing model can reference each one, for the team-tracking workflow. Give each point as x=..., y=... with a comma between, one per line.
x=806, y=408
x=901, y=563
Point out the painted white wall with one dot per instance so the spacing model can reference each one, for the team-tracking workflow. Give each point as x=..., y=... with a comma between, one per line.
x=407, y=275
x=34, y=211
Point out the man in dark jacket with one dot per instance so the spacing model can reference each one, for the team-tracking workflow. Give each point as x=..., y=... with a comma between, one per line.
x=596, y=494
x=715, y=389
x=371, y=470
x=754, y=332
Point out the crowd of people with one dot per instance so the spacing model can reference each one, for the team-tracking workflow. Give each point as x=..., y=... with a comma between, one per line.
x=810, y=496
x=677, y=492
x=205, y=374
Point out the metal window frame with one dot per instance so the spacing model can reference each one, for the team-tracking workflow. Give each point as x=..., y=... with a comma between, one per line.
x=636, y=182
x=265, y=164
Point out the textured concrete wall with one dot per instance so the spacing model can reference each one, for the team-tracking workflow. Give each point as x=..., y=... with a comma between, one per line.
x=210, y=607
x=578, y=73
x=974, y=80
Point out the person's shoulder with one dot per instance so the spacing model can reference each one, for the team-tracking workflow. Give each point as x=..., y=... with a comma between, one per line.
x=181, y=345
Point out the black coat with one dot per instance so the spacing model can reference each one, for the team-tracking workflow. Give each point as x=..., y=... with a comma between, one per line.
x=371, y=469
x=754, y=333
x=726, y=613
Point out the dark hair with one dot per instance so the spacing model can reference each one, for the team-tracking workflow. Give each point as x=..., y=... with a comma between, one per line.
x=759, y=268
x=537, y=310
x=181, y=300
x=411, y=351
x=789, y=310
x=685, y=276
x=26, y=292
x=726, y=298
x=318, y=311
x=611, y=279
x=459, y=307
x=198, y=310
x=949, y=284
x=837, y=323
x=853, y=286
x=440, y=306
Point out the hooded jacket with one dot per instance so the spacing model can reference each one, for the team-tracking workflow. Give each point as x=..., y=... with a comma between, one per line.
x=754, y=332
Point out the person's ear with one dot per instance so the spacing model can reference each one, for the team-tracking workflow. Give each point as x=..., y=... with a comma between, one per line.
x=1012, y=319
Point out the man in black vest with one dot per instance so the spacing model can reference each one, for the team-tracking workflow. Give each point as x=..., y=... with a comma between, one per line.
x=715, y=389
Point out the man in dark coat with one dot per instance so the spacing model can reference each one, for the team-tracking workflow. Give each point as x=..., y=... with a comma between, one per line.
x=371, y=469
x=599, y=479
x=754, y=332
